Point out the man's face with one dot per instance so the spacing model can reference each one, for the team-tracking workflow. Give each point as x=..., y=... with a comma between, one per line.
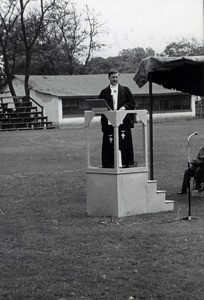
x=114, y=78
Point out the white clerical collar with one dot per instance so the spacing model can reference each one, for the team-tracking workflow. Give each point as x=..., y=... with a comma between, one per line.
x=114, y=86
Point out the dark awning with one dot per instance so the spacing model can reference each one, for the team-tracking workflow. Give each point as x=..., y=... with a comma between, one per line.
x=185, y=74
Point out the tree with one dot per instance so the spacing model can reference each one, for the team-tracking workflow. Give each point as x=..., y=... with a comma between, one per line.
x=94, y=28
x=184, y=47
x=20, y=26
x=130, y=58
x=126, y=62
x=47, y=38
x=32, y=22
x=9, y=15
x=76, y=34
x=98, y=65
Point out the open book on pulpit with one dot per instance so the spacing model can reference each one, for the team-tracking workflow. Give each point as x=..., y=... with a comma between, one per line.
x=98, y=105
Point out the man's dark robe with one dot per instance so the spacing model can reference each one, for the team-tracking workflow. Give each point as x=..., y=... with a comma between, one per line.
x=125, y=99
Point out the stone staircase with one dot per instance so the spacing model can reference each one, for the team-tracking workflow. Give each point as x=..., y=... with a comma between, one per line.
x=156, y=199
x=22, y=114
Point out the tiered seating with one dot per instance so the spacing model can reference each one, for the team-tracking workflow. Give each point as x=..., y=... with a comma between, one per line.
x=21, y=114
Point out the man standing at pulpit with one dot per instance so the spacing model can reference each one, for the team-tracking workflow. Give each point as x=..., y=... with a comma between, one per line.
x=118, y=97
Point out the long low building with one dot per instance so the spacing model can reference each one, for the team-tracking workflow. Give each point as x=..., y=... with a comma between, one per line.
x=63, y=97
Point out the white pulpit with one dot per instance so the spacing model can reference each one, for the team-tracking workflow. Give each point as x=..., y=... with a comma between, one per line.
x=119, y=191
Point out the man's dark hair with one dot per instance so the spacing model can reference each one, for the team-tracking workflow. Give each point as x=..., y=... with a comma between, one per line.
x=112, y=71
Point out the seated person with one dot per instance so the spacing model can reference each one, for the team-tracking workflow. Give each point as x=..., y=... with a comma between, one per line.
x=196, y=170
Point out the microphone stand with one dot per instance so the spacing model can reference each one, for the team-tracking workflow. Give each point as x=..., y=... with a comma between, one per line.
x=189, y=217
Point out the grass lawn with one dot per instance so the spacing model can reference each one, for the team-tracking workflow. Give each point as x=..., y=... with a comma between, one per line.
x=50, y=249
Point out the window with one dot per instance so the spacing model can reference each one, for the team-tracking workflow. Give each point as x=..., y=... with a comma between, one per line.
x=165, y=102
x=72, y=107
x=170, y=102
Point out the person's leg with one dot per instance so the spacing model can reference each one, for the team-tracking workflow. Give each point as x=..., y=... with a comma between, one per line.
x=108, y=148
x=186, y=179
x=126, y=145
x=198, y=177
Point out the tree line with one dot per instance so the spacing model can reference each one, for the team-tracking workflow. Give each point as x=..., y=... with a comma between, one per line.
x=52, y=37
x=46, y=37
x=128, y=59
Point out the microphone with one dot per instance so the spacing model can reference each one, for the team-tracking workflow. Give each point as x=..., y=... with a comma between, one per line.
x=195, y=133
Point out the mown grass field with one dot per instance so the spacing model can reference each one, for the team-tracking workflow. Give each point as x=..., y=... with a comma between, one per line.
x=49, y=247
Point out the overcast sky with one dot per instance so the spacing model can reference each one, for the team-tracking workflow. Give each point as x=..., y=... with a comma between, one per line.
x=146, y=23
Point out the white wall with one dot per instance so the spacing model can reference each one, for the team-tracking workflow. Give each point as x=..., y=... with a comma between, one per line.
x=52, y=106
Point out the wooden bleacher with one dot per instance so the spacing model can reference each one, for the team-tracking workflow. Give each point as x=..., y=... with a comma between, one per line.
x=19, y=113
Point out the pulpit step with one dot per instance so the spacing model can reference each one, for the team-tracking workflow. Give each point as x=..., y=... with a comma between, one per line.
x=156, y=199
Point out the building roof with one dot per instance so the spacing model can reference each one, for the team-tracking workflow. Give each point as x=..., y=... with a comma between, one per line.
x=85, y=85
